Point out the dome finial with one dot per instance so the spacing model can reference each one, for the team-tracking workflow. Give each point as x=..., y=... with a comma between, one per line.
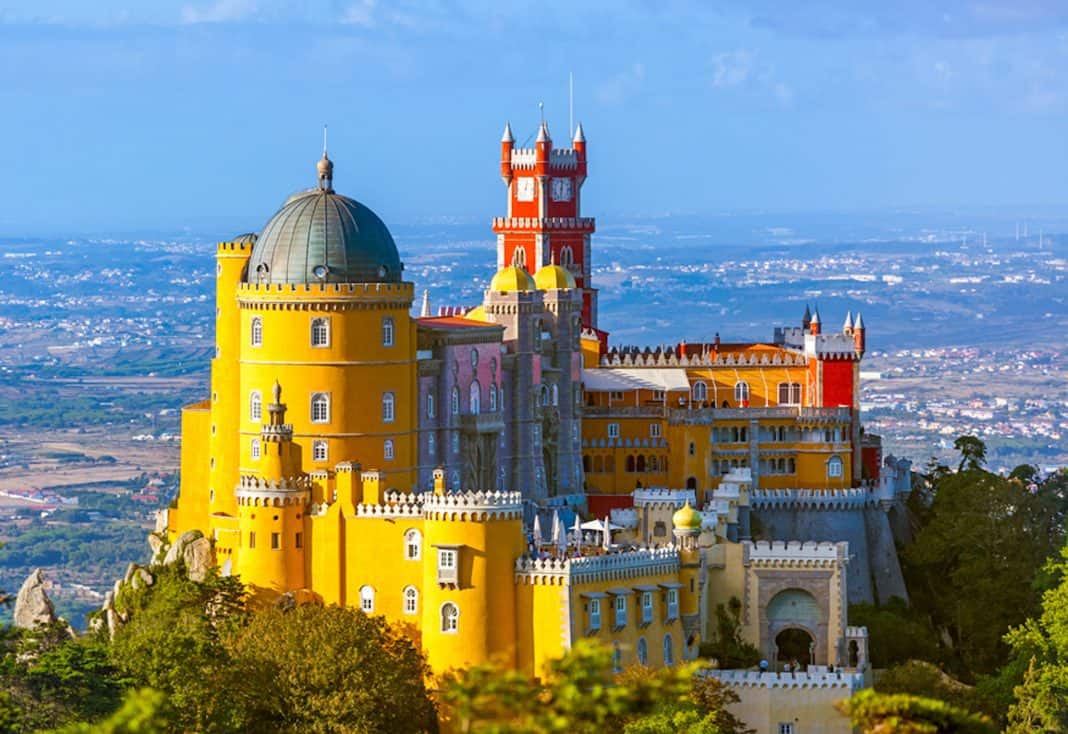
x=325, y=168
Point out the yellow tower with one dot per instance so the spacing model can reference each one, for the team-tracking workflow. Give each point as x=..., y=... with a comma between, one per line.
x=271, y=510
x=687, y=522
x=323, y=309
x=469, y=604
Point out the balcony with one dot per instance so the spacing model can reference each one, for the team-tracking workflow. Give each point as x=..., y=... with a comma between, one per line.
x=482, y=422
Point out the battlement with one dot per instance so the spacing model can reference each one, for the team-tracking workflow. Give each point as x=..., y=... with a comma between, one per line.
x=624, y=517
x=812, y=499
x=661, y=496
x=850, y=682
x=398, y=509
x=259, y=492
x=474, y=506
x=524, y=159
x=634, y=357
x=794, y=553
x=853, y=632
x=379, y=291
x=234, y=248
x=538, y=224
x=832, y=346
x=589, y=569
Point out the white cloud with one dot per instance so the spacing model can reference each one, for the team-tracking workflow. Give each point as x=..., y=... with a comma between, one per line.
x=732, y=69
x=221, y=11
x=621, y=86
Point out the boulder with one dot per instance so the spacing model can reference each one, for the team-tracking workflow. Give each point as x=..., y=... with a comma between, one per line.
x=155, y=543
x=198, y=559
x=177, y=549
x=32, y=606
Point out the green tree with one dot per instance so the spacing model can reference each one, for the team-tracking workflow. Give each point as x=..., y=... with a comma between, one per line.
x=896, y=633
x=578, y=693
x=1041, y=644
x=173, y=643
x=706, y=711
x=143, y=711
x=972, y=453
x=972, y=565
x=328, y=669
x=878, y=713
x=727, y=646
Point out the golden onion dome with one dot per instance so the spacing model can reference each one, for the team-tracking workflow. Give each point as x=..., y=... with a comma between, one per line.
x=512, y=278
x=478, y=313
x=552, y=277
x=687, y=518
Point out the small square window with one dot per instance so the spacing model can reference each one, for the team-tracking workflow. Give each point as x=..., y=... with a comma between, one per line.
x=613, y=430
x=276, y=541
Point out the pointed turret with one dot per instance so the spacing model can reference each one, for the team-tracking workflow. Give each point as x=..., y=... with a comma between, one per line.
x=543, y=133
x=859, y=340
x=424, y=312
x=579, y=136
x=507, y=143
x=814, y=324
x=806, y=319
x=847, y=327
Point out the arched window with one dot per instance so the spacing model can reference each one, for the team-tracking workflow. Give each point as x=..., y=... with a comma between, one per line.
x=450, y=618
x=320, y=408
x=834, y=467
x=367, y=599
x=320, y=332
x=640, y=465
x=651, y=464
x=630, y=463
x=617, y=658
x=454, y=405
x=430, y=445
x=474, y=358
x=567, y=256
x=319, y=450
x=431, y=410
x=554, y=394
x=389, y=405
x=256, y=332
x=543, y=396
x=254, y=449
x=413, y=544
x=789, y=393
x=387, y=331
x=700, y=392
x=741, y=391
x=519, y=257
x=669, y=651
x=255, y=406
x=476, y=398
x=411, y=600
x=643, y=651
x=493, y=398
x=387, y=449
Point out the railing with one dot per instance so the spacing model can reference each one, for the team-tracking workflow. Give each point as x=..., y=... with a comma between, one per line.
x=702, y=415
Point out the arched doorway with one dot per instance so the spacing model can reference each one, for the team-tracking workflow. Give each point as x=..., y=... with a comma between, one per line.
x=795, y=628
x=794, y=645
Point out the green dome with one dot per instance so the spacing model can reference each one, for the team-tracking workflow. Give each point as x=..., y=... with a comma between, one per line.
x=319, y=236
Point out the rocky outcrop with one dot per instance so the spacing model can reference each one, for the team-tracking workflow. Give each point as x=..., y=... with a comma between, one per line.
x=33, y=608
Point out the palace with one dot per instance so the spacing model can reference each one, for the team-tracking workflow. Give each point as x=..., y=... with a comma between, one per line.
x=409, y=465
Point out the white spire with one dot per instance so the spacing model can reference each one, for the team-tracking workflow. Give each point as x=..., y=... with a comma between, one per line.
x=537, y=532
x=507, y=137
x=543, y=132
x=859, y=322
x=558, y=528
x=816, y=316
x=848, y=322
x=579, y=136
x=424, y=312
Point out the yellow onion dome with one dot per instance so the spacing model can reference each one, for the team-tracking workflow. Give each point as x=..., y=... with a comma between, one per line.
x=478, y=313
x=553, y=276
x=687, y=518
x=512, y=278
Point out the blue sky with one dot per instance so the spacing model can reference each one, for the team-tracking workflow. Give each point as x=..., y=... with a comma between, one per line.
x=118, y=116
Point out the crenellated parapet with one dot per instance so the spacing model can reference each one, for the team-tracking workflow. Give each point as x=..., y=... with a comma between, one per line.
x=847, y=682
x=635, y=357
x=324, y=296
x=592, y=569
x=399, y=509
x=259, y=492
x=664, y=498
x=794, y=554
x=812, y=499
x=475, y=506
x=541, y=224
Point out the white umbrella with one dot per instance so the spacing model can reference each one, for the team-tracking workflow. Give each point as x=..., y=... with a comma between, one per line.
x=558, y=528
x=599, y=525
x=537, y=530
x=577, y=529
x=608, y=532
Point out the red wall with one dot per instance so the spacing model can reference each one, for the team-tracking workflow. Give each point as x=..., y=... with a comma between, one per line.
x=838, y=384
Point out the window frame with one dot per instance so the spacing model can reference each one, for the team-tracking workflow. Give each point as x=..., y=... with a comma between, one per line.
x=450, y=625
x=389, y=407
x=389, y=450
x=389, y=331
x=255, y=338
x=320, y=450
x=322, y=398
x=255, y=406
x=742, y=391
x=254, y=449
x=411, y=600
x=320, y=340
x=413, y=539
x=367, y=599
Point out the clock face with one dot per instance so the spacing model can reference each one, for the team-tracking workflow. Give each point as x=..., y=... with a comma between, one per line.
x=561, y=189
x=525, y=189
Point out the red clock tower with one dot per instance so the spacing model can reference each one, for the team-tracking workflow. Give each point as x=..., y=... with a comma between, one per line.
x=544, y=223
